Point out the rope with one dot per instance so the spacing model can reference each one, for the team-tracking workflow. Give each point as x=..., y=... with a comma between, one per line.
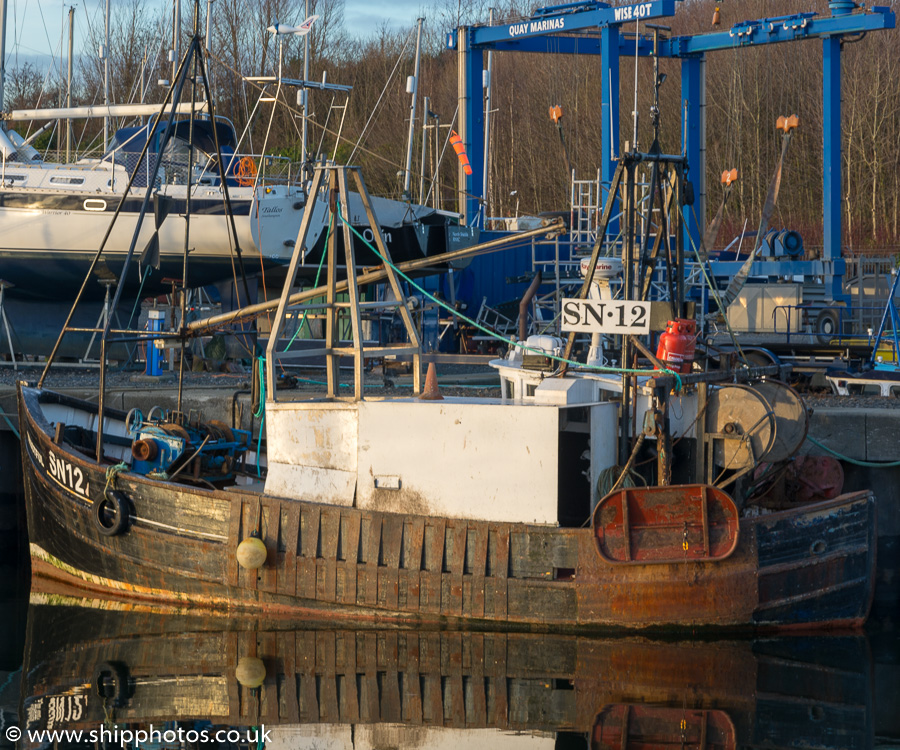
x=261, y=411
x=113, y=471
x=610, y=478
x=495, y=335
x=315, y=283
x=854, y=461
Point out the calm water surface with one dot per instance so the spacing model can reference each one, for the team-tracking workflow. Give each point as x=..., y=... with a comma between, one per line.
x=75, y=665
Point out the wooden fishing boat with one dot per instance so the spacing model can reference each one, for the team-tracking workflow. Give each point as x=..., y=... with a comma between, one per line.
x=90, y=666
x=385, y=542
x=467, y=512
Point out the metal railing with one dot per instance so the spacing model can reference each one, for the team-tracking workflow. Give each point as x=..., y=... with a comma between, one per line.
x=822, y=324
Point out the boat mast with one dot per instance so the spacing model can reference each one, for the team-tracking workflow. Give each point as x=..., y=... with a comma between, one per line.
x=208, y=28
x=176, y=35
x=187, y=214
x=2, y=49
x=304, y=92
x=69, y=84
x=208, y=22
x=487, y=127
x=426, y=110
x=7, y=148
x=412, y=85
x=104, y=55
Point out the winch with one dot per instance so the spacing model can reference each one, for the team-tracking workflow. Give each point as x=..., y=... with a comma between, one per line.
x=166, y=443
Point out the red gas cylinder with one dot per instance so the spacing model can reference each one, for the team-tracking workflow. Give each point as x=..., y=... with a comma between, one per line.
x=677, y=344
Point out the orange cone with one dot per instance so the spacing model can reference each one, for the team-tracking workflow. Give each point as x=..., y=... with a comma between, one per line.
x=431, y=392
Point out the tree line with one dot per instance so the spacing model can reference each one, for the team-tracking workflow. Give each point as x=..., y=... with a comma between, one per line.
x=747, y=89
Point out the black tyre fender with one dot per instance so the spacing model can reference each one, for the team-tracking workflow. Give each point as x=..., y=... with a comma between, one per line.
x=827, y=326
x=119, y=505
x=111, y=683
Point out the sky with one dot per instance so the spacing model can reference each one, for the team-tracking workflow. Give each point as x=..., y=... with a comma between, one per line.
x=37, y=29
x=359, y=16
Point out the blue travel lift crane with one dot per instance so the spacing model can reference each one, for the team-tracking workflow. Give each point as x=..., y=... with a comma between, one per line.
x=572, y=29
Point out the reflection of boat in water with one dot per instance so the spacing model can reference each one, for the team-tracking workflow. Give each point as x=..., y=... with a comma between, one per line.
x=134, y=667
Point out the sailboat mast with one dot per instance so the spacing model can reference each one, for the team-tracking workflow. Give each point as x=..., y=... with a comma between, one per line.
x=2, y=49
x=105, y=56
x=69, y=84
x=412, y=88
x=304, y=92
x=176, y=35
x=486, y=161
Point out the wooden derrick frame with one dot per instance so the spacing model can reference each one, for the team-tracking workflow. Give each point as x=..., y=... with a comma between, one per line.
x=337, y=181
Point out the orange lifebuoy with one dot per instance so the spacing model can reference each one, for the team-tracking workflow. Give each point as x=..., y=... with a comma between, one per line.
x=460, y=150
x=246, y=171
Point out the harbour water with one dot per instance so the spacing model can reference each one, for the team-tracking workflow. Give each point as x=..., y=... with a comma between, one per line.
x=131, y=675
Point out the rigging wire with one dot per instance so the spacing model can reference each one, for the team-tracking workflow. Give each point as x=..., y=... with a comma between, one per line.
x=453, y=311
x=296, y=112
x=375, y=109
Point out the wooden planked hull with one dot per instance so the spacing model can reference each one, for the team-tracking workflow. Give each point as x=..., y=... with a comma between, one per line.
x=809, y=567
x=803, y=691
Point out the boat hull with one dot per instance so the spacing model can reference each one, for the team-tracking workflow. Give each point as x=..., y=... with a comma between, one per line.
x=48, y=241
x=803, y=568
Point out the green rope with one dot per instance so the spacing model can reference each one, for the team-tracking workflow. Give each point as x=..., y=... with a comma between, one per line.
x=261, y=363
x=113, y=471
x=137, y=301
x=261, y=410
x=315, y=284
x=494, y=334
x=856, y=462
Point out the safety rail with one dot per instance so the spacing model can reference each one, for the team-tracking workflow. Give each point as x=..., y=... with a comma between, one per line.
x=826, y=324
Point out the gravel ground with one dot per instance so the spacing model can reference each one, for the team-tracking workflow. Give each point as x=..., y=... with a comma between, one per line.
x=311, y=381
x=830, y=401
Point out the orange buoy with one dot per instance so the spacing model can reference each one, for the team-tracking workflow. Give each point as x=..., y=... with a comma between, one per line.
x=457, y=144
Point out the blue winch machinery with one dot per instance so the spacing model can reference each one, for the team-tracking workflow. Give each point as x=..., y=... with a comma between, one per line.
x=165, y=444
